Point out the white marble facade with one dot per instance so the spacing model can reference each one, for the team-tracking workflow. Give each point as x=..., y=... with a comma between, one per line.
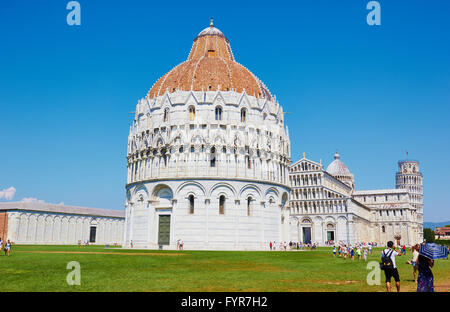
x=174, y=153
x=206, y=213
x=324, y=206
x=41, y=223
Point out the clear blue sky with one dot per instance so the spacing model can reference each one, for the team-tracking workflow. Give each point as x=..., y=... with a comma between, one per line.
x=372, y=92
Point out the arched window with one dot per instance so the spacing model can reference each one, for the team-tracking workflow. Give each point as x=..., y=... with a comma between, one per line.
x=166, y=115
x=191, y=113
x=383, y=229
x=221, y=204
x=164, y=156
x=212, y=161
x=243, y=115
x=218, y=113
x=191, y=204
x=249, y=203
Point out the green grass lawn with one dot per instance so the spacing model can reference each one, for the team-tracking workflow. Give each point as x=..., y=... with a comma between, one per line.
x=43, y=268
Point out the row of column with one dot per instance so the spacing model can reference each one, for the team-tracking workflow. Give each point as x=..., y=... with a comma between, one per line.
x=199, y=164
x=313, y=193
x=305, y=207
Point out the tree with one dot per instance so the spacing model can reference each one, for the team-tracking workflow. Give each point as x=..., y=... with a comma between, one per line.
x=428, y=235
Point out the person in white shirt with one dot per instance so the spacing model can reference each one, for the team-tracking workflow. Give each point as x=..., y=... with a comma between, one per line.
x=415, y=256
x=392, y=271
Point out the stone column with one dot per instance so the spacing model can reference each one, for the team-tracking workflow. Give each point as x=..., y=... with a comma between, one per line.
x=207, y=205
x=237, y=204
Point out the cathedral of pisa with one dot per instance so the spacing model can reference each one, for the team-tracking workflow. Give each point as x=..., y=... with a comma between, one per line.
x=209, y=164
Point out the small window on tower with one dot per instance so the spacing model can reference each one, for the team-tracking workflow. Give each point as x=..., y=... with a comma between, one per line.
x=213, y=157
x=222, y=204
x=166, y=115
x=243, y=115
x=191, y=112
x=249, y=203
x=218, y=113
x=191, y=204
x=211, y=53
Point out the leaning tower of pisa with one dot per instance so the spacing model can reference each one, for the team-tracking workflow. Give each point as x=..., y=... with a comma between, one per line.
x=410, y=178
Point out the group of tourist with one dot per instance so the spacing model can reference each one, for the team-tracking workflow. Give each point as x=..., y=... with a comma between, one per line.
x=420, y=264
x=292, y=246
x=361, y=250
x=7, y=247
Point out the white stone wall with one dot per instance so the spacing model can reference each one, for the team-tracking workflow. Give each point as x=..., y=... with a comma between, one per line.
x=34, y=227
x=241, y=227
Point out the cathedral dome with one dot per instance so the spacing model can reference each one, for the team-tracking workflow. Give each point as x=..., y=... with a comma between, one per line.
x=337, y=167
x=210, y=66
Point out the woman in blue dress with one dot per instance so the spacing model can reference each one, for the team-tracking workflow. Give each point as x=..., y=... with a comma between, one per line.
x=425, y=281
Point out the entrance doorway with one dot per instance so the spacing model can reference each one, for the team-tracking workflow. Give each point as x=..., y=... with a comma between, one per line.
x=306, y=235
x=330, y=236
x=164, y=230
x=92, y=234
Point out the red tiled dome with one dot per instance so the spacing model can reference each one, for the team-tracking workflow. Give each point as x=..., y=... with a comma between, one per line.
x=210, y=66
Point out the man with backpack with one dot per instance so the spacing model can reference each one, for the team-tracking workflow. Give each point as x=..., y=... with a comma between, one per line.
x=388, y=265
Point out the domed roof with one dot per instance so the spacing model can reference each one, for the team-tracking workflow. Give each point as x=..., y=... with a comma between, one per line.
x=211, y=31
x=210, y=66
x=338, y=168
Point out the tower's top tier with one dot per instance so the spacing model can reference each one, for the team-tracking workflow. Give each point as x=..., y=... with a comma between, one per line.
x=408, y=167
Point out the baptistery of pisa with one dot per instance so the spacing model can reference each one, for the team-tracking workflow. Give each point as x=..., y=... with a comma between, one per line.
x=208, y=157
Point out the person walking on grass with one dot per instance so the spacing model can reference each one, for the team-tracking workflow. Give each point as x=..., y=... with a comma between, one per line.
x=390, y=269
x=365, y=254
x=370, y=249
x=425, y=282
x=8, y=248
x=334, y=251
x=415, y=256
x=352, y=253
x=358, y=252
